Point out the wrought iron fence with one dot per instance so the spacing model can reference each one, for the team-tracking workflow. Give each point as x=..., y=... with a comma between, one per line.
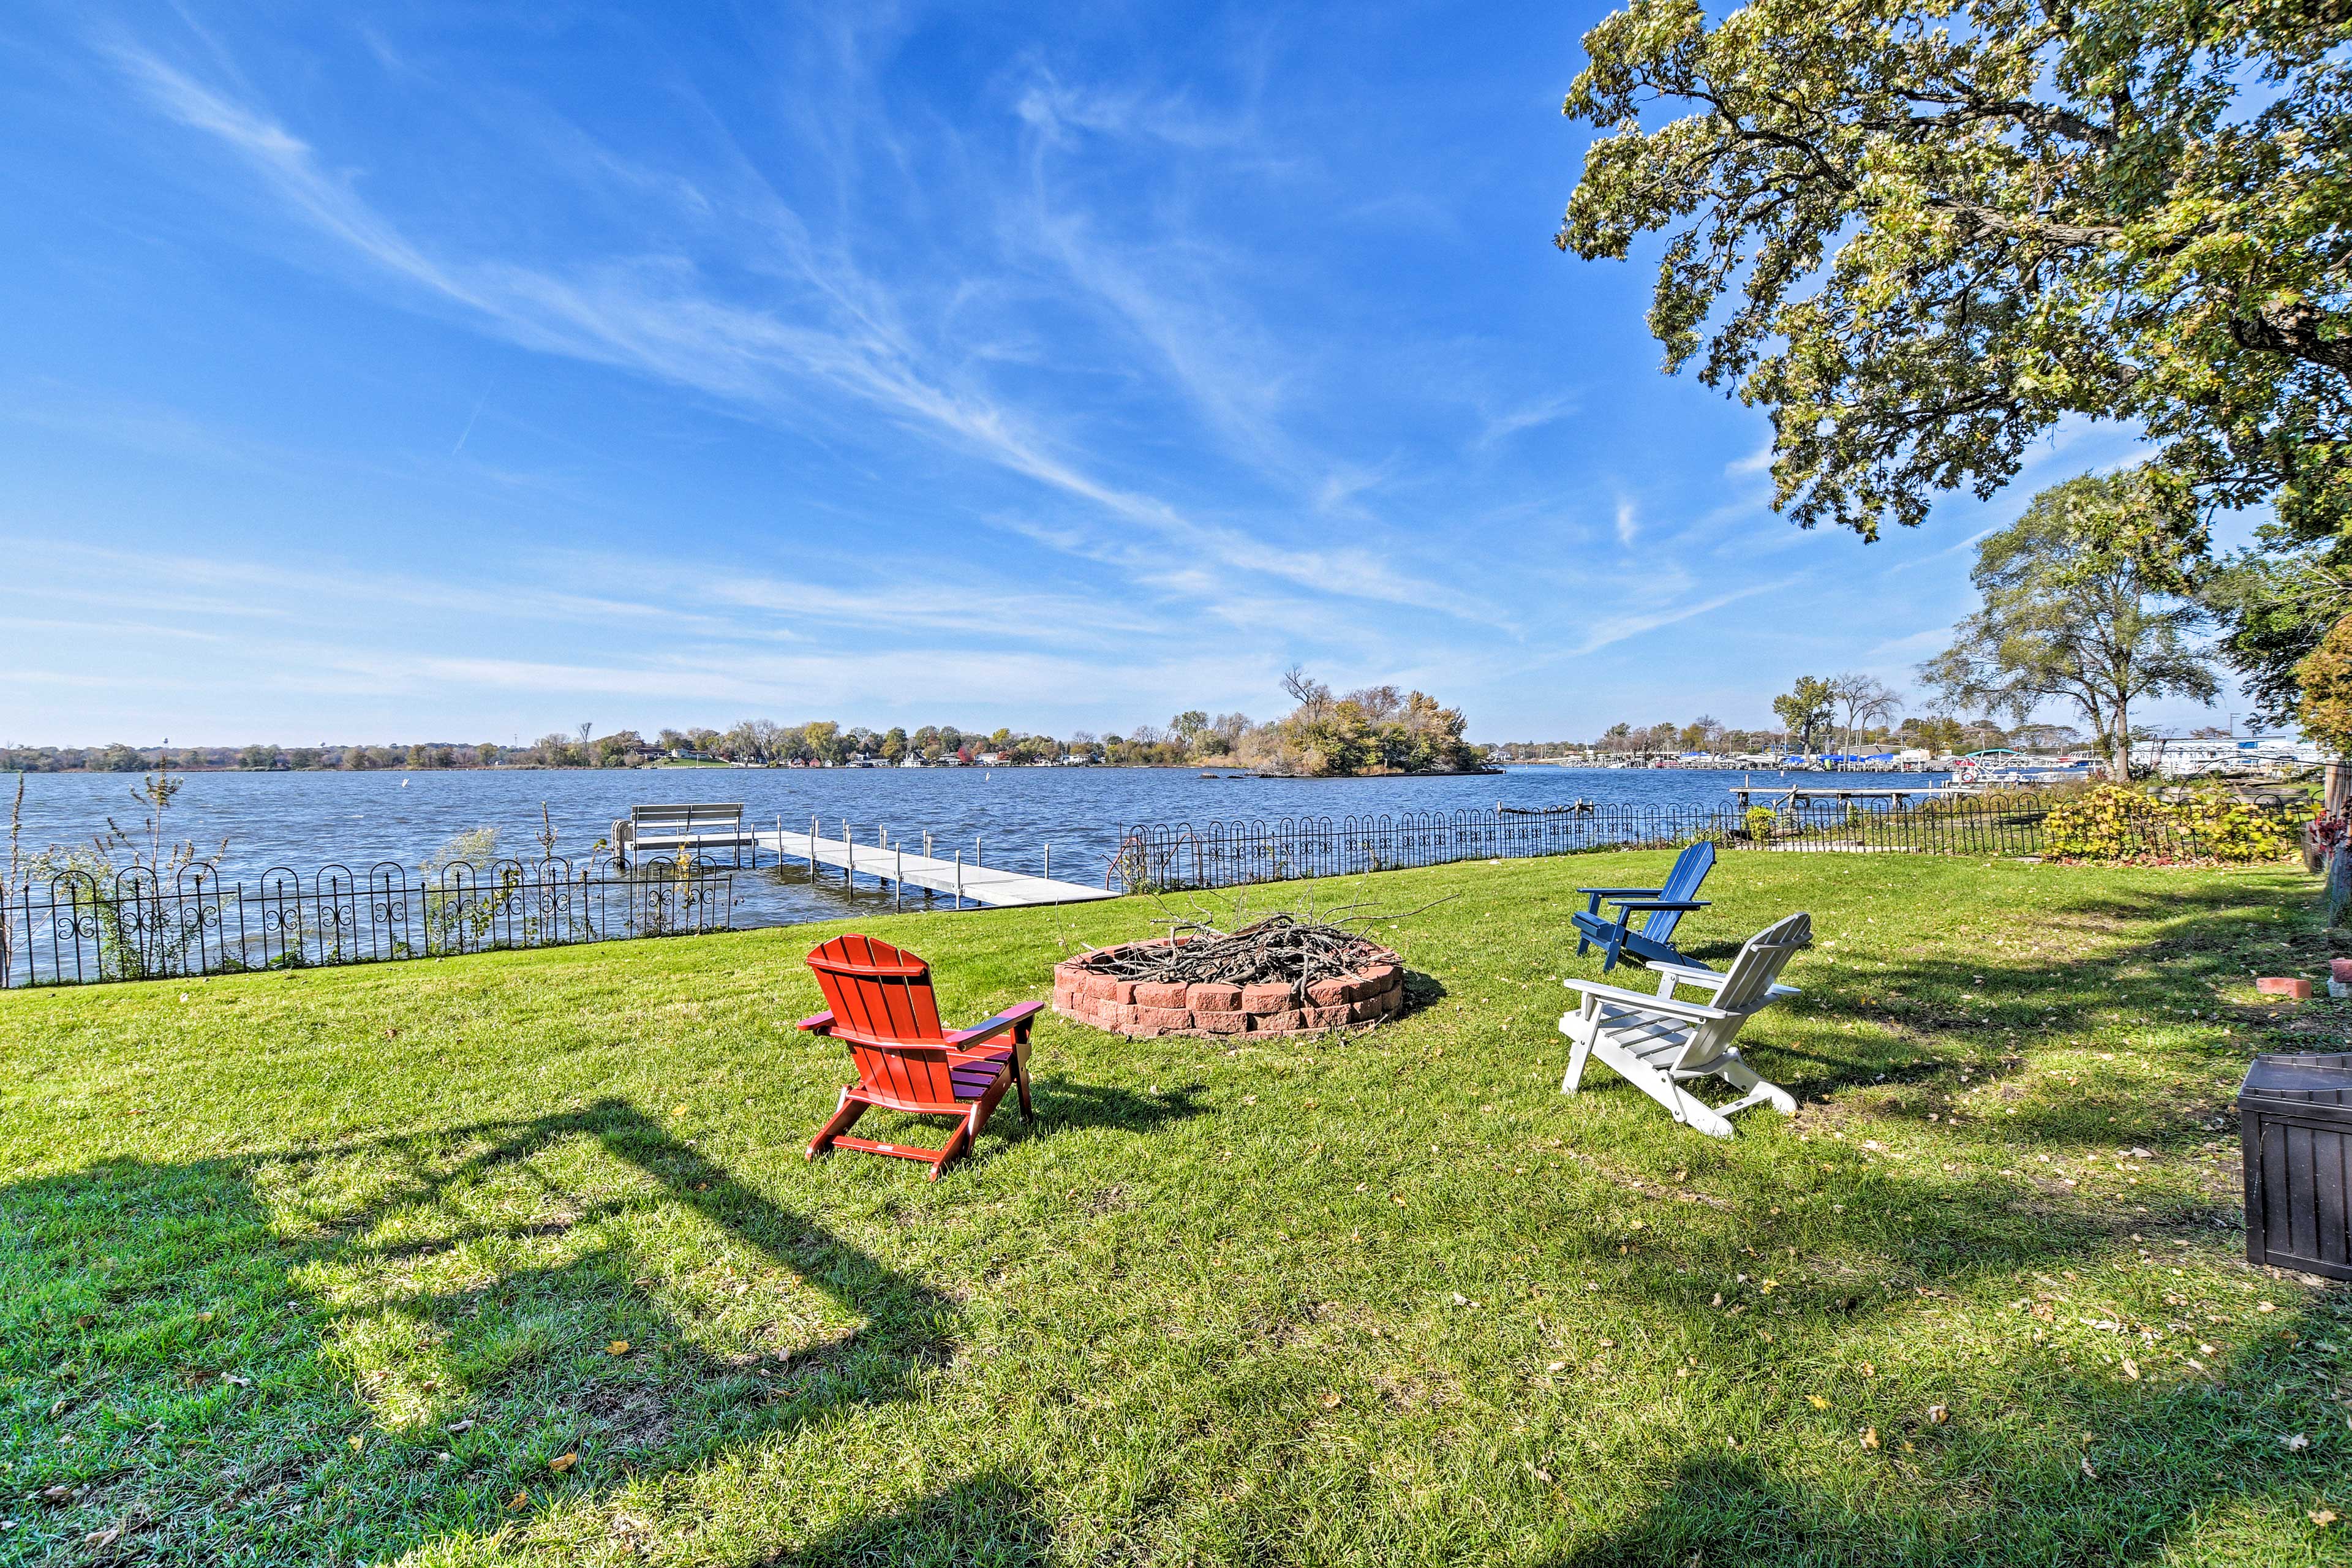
x=78, y=927
x=1225, y=854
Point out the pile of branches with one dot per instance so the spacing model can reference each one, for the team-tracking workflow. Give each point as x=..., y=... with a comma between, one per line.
x=1278, y=949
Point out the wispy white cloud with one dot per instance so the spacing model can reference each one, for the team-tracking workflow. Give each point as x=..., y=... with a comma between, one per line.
x=1629, y=524
x=1617, y=628
x=654, y=317
x=1919, y=644
x=1501, y=428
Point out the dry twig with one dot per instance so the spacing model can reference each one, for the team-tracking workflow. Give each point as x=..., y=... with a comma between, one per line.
x=1278, y=949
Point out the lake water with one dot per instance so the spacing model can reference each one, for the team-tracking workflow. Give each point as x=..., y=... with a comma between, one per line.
x=1005, y=816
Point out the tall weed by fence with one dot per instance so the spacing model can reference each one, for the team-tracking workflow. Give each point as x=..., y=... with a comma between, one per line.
x=132, y=925
x=1226, y=854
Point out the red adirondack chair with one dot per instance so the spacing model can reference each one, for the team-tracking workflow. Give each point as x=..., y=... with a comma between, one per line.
x=883, y=1009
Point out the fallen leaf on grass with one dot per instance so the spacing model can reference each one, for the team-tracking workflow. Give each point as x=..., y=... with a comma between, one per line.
x=106, y=1537
x=231, y=1377
x=2296, y=1444
x=521, y=1501
x=618, y=1347
x=1331, y=1402
x=465, y=1426
x=2086, y=1467
x=1817, y=1402
x=2266, y=1306
x=562, y=1462
x=1938, y=1414
x=2321, y=1516
x=59, y=1493
x=1870, y=1437
x=2131, y=1369
x=1555, y=1366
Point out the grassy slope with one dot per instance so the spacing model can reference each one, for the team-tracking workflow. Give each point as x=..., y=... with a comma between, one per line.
x=1384, y=1299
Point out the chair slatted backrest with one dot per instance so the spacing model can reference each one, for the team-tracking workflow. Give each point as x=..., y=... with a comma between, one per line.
x=1691, y=867
x=1747, y=984
x=883, y=1009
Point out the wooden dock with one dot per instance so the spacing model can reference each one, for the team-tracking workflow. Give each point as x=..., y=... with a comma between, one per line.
x=894, y=865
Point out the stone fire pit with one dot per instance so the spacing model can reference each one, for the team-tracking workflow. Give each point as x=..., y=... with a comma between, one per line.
x=1145, y=1008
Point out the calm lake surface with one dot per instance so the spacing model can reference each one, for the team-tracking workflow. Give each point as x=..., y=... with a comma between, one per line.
x=1006, y=815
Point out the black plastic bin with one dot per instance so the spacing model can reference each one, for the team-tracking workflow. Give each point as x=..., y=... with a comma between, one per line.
x=2295, y=1114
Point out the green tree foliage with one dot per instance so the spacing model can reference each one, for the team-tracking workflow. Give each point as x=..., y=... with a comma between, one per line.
x=1806, y=707
x=2278, y=600
x=1377, y=729
x=2326, y=679
x=1921, y=234
x=2076, y=608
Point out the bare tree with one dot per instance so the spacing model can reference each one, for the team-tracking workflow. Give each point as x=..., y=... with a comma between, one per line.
x=1864, y=700
x=1310, y=693
x=583, y=731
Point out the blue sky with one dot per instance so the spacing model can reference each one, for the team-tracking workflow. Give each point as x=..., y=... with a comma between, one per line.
x=467, y=372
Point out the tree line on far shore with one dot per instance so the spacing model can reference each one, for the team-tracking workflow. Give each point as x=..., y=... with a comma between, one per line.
x=1375, y=730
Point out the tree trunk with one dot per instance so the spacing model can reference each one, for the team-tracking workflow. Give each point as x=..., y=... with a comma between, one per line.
x=2121, y=740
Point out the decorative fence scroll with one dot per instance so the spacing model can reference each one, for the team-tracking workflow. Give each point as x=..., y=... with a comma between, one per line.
x=77, y=928
x=1228, y=854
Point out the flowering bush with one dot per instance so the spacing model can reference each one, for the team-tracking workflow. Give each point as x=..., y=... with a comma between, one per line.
x=2116, y=822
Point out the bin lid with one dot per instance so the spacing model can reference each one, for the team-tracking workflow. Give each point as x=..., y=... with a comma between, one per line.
x=2323, y=1079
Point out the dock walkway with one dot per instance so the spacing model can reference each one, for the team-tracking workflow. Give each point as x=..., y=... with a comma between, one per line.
x=894, y=865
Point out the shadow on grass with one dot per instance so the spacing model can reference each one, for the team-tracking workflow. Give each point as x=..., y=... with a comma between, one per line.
x=988, y=1521
x=1924, y=1014
x=244, y=1356
x=1421, y=990
x=2088, y=1464
x=2120, y=1471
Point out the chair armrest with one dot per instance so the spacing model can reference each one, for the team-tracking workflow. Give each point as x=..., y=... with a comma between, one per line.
x=1630, y=905
x=1644, y=1002
x=818, y=1023
x=1689, y=974
x=1623, y=892
x=1018, y=1012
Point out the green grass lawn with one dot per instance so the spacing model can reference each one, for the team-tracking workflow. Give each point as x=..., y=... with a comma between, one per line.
x=331, y=1267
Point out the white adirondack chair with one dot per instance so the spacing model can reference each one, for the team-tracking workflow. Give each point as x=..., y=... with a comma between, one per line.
x=1659, y=1043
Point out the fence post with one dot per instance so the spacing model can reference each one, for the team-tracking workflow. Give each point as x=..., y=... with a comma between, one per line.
x=1049, y=862
x=959, y=879
x=898, y=884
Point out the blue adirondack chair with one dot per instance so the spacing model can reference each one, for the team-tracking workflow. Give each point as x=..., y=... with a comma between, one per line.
x=1659, y=908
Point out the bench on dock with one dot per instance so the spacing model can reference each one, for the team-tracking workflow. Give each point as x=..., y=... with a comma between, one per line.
x=667, y=829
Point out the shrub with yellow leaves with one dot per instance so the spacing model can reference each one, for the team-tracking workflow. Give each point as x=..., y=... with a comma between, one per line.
x=2117, y=822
